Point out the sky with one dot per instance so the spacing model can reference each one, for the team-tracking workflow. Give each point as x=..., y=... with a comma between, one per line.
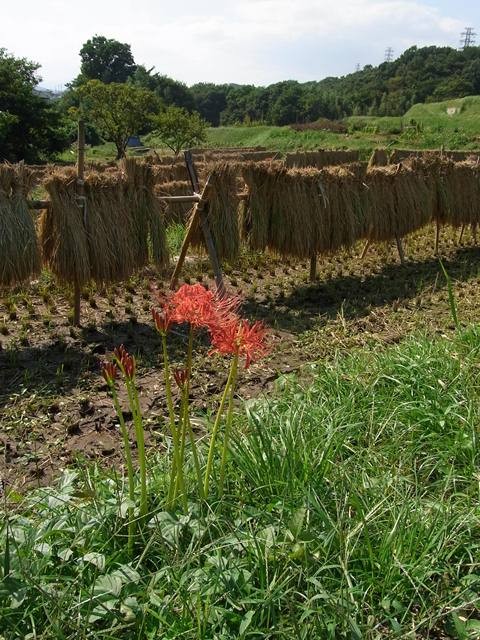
x=243, y=41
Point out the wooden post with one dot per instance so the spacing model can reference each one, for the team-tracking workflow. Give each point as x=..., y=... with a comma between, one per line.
x=313, y=267
x=81, y=204
x=398, y=240
x=462, y=231
x=437, y=236
x=365, y=249
x=199, y=216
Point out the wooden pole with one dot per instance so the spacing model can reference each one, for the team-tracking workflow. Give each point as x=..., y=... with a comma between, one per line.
x=437, y=236
x=365, y=249
x=313, y=267
x=462, y=231
x=200, y=215
x=194, y=220
x=398, y=240
x=81, y=204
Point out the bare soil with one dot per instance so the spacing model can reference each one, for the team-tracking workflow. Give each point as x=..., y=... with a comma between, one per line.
x=54, y=407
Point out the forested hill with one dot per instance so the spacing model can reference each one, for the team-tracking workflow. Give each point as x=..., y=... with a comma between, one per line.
x=418, y=75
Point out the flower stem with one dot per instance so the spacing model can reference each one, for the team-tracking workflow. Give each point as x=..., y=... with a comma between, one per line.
x=216, y=426
x=188, y=424
x=175, y=468
x=140, y=436
x=179, y=486
x=228, y=424
x=128, y=460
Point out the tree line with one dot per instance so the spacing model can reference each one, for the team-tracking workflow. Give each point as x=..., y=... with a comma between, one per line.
x=123, y=97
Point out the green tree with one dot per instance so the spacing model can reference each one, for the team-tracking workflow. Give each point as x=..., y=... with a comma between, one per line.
x=171, y=92
x=31, y=127
x=117, y=111
x=178, y=129
x=107, y=60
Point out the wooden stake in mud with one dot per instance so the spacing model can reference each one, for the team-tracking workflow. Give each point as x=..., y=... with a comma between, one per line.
x=398, y=240
x=81, y=204
x=313, y=267
x=199, y=216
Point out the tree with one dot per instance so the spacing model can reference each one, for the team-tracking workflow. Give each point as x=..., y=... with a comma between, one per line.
x=179, y=129
x=117, y=111
x=107, y=60
x=31, y=127
x=171, y=92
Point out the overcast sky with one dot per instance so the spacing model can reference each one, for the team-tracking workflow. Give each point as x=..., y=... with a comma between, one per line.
x=244, y=41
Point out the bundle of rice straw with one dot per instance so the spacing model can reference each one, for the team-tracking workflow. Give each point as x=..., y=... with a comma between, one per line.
x=379, y=158
x=458, y=190
x=19, y=251
x=147, y=214
x=169, y=173
x=256, y=214
x=400, y=200
x=222, y=212
x=62, y=230
x=175, y=212
x=298, y=212
x=109, y=229
x=321, y=158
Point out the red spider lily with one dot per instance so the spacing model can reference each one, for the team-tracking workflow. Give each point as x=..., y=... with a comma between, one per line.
x=109, y=371
x=239, y=337
x=181, y=377
x=126, y=362
x=162, y=319
x=202, y=308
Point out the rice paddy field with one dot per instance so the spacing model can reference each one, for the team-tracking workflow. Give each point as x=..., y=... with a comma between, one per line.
x=349, y=504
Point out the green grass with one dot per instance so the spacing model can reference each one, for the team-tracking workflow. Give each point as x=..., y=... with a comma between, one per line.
x=352, y=511
x=431, y=128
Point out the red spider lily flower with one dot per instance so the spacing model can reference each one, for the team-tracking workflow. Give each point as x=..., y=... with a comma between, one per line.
x=162, y=319
x=181, y=377
x=202, y=308
x=239, y=337
x=109, y=372
x=125, y=361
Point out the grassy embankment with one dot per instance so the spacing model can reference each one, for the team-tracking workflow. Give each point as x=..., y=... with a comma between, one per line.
x=424, y=126
x=352, y=511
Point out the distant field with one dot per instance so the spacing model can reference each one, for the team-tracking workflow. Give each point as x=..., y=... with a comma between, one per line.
x=454, y=124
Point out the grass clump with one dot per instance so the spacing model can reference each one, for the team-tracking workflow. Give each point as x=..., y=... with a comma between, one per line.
x=351, y=510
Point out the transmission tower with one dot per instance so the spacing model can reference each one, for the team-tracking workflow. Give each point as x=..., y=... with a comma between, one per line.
x=357, y=67
x=389, y=54
x=468, y=38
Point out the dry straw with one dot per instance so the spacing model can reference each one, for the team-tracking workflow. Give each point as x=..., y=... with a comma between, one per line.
x=321, y=158
x=379, y=158
x=222, y=212
x=400, y=200
x=19, y=251
x=147, y=214
x=175, y=212
x=63, y=233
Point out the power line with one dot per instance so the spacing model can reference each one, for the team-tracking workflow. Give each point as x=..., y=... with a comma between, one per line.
x=468, y=38
x=389, y=54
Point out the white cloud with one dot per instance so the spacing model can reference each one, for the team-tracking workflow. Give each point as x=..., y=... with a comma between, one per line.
x=255, y=41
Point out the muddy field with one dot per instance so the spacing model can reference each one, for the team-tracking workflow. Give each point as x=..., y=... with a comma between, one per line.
x=54, y=406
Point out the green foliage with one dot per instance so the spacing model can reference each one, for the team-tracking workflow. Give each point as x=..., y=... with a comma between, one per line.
x=107, y=60
x=31, y=127
x=171, y=92
x=418, y=75
x=352, y=511
x=177, y=129
x=117, y=111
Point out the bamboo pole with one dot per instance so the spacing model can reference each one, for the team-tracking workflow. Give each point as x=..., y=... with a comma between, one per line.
x=81, y=204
